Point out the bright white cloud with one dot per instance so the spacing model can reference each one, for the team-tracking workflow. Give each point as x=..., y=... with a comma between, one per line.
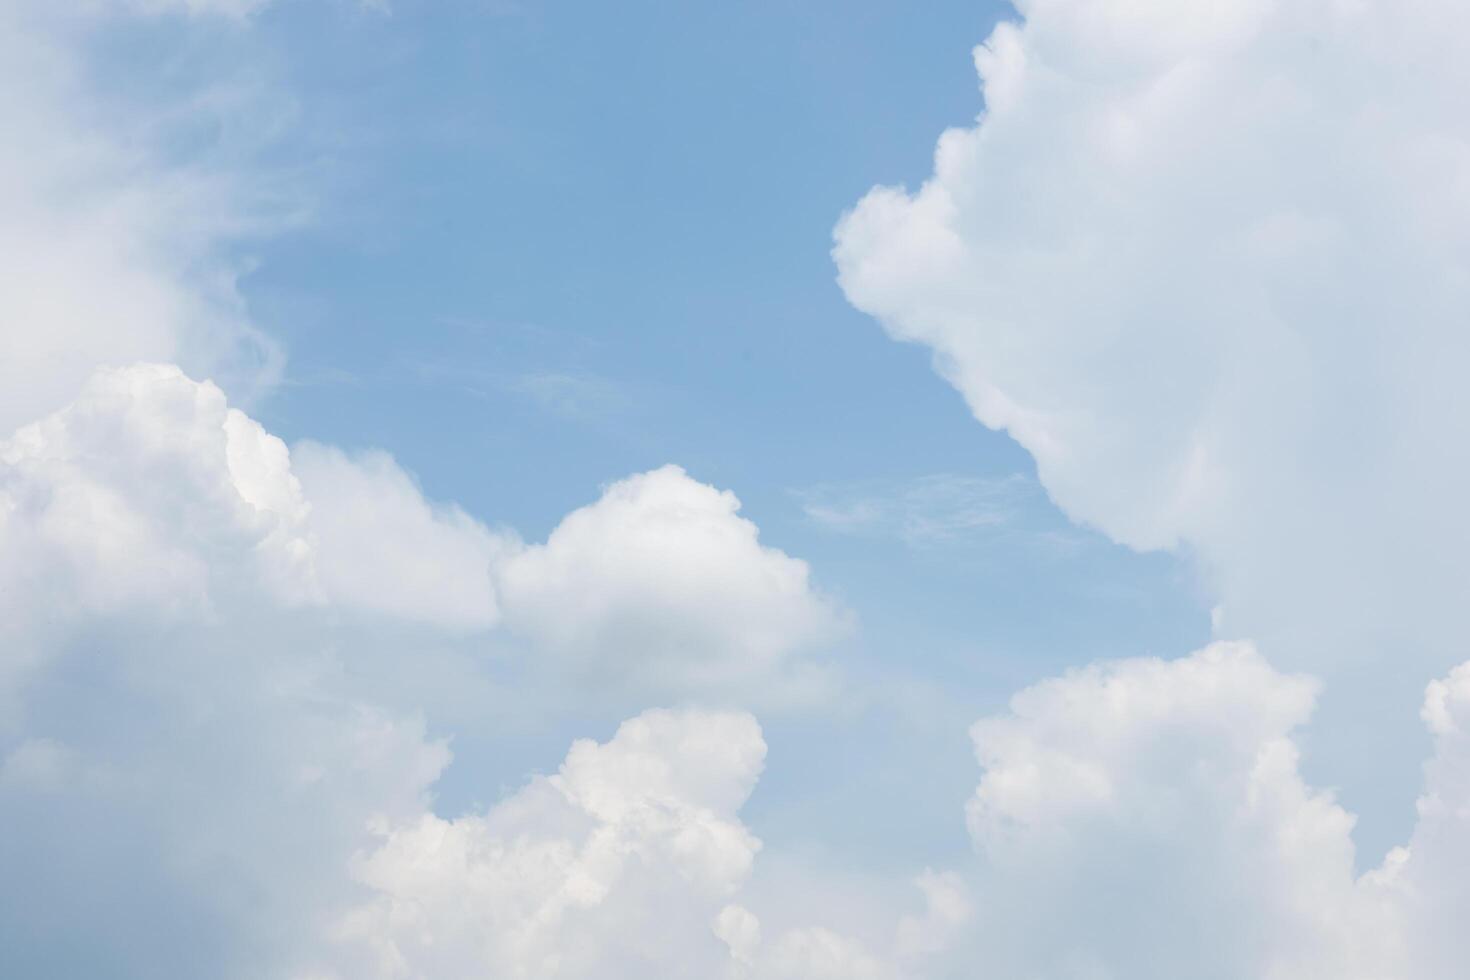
x=1205, y=261
x=619, y=866
x=147, y=493
x=385, y=550
x=671, y=586
x=185, y=605
x=1148, y=819
x=612, y=867
x=189, y=730
x=149, y=489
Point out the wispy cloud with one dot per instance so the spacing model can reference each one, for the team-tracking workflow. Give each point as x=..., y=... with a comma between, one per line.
x=572, y=395
x=928, y=510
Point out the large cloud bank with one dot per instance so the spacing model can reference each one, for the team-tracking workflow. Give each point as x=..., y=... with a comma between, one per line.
x=180, y=724
x=1205, y=261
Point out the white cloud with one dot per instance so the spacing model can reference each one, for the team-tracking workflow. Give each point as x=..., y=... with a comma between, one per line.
x=186, y=605
x=612, y=867
x=148, y=491
x=203, y=746
x=385, y=550
x=620, y=865
x=1147, y=818
x=1206, y=263
x=672, y=587
x=192, y=779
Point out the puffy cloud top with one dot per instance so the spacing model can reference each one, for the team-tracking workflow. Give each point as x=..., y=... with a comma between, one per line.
x=610, y=868
x=150, y=490
x=668, y=581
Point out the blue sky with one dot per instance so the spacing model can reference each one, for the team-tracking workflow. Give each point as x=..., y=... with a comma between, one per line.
x=558, y=245
x=526, y=281
x=376, y=377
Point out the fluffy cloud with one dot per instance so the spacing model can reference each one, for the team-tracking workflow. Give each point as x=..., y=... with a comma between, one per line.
x=672, y=586
x=1147, y=818
x=620, y=865
x=181, y=724
x=1205, y=261
x=150, y=493
x=385, y=550
x=1197, y=275
x=185, y=603
x=612, y=867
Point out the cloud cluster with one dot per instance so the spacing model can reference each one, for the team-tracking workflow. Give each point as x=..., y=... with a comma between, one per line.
x=179, y=590
x=1143, y=818
x=1205, y=261
x=184, y=603
x=1257, y=212
x=149, y=494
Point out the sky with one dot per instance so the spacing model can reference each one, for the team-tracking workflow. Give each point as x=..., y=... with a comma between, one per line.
x=523, y=489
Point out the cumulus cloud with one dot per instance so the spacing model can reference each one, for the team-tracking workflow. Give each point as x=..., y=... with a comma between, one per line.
x=671, y=585
x=150, y=492
x=384, y=549
x=612, y=867
x=183, y=726
x=1148, y=818
x=197, y=775
x=621, y=864
x=1199, y=277
x=184, y=602
x=1206, y=263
